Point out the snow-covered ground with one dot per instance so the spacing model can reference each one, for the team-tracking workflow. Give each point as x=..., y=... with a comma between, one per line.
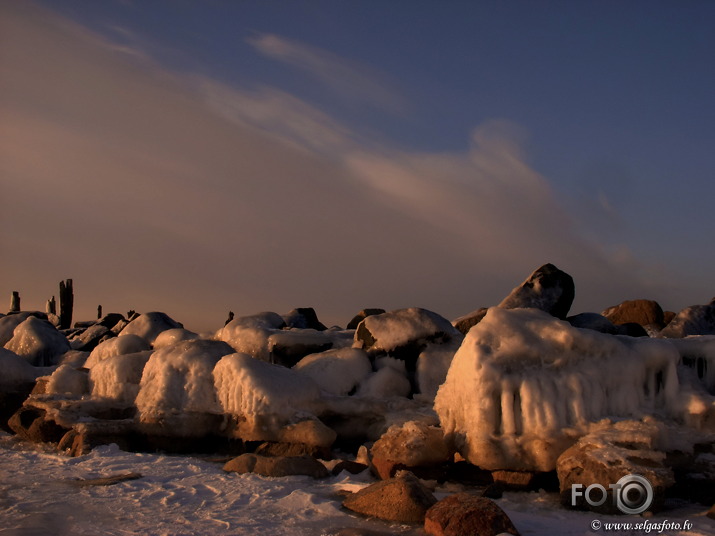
x=183, y=496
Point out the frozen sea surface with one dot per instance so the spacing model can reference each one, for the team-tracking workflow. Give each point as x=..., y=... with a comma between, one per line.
x=186, y=496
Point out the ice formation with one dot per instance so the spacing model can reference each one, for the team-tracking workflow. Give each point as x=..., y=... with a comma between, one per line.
x=124, y=344
x=249, y=334
x=432, y=366
x=16, y=371
x=523, y=385
x=117, y=377
x=150, y=325
x=38, y=341
x=263, y=397
x=172, y=336
x=178, y=379
x=337, y=372
x=384, y=383
x=68, y=381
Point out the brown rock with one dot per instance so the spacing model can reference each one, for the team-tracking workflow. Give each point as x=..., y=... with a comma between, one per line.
x=293, y=449
x=548, y=289
x=362, y=315
x=711, y=512
x=30, y=423
x=462, y=514
x=277, y=466
x=468, y=321
x=351, y=467
x=404, y=499
x=526, y=480
x=643, y=312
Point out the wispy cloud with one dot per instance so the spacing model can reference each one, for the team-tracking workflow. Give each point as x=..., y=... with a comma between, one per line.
x=153, y=195
x=348, y=78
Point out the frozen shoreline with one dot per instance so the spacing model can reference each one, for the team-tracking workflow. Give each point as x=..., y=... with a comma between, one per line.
x=187, y=496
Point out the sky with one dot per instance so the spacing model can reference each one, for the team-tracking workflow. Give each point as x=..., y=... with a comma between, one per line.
x=199, y=157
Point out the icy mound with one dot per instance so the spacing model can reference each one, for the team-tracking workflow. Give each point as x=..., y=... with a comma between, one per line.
x=117, y=377
x=178, y=379
x=172, y=336
x=16, y=371
x=263, y=397
x=337, y=372
x=124, y=344
x=38, y=341
x=68, y=381
x=523, y=385
x=150, y=325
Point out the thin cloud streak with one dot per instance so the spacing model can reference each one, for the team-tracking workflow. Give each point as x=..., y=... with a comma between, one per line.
x=152, y=194
x=348, y=79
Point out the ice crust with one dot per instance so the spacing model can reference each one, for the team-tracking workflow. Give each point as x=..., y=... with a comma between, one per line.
x=338, y=371
x=117, y=377
x=523, y=385
x=124, y=344
x=38, y=341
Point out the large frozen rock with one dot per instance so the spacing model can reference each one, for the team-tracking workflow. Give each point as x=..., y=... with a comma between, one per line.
x=463, y=513
x=263, y=398
x=693, y=320
x=68, y=381
x=8, y=323
x=38, y=341
x=177, y=389
x=172, y=336
x=337, y=372
x=150, y=325
x=548, y=289
x=524, y=385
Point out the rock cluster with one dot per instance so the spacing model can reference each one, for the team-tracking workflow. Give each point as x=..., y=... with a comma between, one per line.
x=422, y=397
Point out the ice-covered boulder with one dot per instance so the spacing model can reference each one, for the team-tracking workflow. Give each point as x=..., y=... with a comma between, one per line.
x=150, y=325
x=303, y=318
x=14, y=370
x=68, y=381
x=524, y=385
x=263, y=397
x=337, y=372
x=172, y=336
x=249, y=334
x=8, y=323
x=698, y=354
x=548, y=289
x=38, y=341
x=124, y=344
x=389, y=380
x=605, y=456
x=117, y=377
x=413, y=444
x=432, y=366
x=693, y=320
x=177, y=389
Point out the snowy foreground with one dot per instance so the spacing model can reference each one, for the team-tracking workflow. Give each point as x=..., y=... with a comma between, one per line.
x=179, y=495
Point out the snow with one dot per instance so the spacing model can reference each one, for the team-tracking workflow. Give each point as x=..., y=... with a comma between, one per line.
x=384, y=383
x=185, y=496
x=124, y=344
x=38, y=341
x=524, y=385
x=433, y=365
x=265, y=397
x=336, y=371
x=16, y=371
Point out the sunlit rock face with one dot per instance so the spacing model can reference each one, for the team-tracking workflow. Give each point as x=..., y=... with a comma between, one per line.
x=548, y=289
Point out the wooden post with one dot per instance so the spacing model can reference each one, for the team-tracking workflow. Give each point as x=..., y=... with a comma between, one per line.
x=66, y=304
x=99, y=312
x=15, y=302
x=51, y=308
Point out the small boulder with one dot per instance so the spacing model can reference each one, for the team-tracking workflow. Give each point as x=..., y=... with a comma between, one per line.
x=548, y=289
x=644, y=312
x=603, y=458
x=593, y=321
x=362, y=315
x=149, y=325
x=277, y=466
x=404, y=499
x=468, y=321
x=411, y=446
x=304, y=318
x=463, y=513
x=32, y=424
x=693, y=320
